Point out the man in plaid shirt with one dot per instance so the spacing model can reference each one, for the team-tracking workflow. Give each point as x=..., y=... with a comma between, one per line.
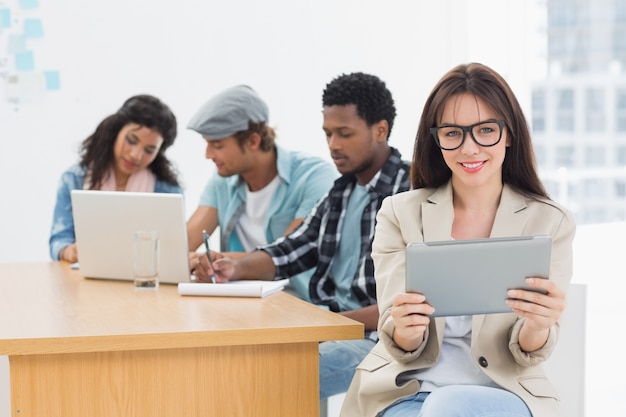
x=336, y=237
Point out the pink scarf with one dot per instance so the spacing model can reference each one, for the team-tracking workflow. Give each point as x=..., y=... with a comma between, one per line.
x=142, y=181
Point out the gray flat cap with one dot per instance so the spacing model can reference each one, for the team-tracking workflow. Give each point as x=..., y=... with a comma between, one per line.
x=229, y=112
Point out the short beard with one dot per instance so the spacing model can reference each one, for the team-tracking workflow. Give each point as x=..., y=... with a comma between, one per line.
x=364, y=166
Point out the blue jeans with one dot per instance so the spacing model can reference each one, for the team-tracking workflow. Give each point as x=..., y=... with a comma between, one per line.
x=338, y=362
x=460, y=401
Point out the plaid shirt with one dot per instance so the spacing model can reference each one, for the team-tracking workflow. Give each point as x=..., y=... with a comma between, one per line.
x=315, y=242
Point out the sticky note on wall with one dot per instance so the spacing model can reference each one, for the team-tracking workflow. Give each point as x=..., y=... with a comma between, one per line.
x=29, y=4
x=52, y=80
x=33, y=28
x=16, y=44
x=5, y=18
x=25, y=61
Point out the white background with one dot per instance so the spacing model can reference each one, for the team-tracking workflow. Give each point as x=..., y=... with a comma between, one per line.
x=186, y=51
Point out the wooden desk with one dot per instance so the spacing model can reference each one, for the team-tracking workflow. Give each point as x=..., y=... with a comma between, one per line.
x=80, y=347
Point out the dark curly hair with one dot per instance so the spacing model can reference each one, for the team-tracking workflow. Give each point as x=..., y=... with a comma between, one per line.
x=519, y=168
x=96, y=152
x=369, y=93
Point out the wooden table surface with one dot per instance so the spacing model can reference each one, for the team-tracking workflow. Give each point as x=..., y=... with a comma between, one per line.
x=61, y=330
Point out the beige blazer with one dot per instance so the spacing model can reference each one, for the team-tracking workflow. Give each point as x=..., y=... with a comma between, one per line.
x=426, y=215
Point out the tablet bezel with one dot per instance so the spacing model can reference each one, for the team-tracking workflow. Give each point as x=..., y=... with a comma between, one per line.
x=467, y=277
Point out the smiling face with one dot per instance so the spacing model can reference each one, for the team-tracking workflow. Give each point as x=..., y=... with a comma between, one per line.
x=355, y=147
x=473, y=165
x=135, y=148
x=228, y=156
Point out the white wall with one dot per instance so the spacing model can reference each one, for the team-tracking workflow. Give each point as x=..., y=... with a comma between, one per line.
x=186, y=51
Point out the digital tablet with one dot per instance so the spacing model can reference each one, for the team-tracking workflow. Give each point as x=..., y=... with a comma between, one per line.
x=466, y=277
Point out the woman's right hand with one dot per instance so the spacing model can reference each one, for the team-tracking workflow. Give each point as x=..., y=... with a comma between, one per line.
x=410, y=318
x=69, y=253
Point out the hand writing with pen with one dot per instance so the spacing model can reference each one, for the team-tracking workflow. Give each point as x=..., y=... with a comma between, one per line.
x=212, y=266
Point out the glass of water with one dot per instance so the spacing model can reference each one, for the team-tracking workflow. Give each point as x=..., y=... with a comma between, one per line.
x=146, y=260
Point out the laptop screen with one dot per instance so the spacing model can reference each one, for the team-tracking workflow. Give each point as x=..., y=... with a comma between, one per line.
x=105, y=223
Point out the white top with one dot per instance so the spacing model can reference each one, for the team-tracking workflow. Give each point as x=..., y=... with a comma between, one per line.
x=251, y=225
x=455, y=365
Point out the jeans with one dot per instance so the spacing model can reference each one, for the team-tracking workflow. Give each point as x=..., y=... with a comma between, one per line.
x=460, y=401
x=338, y=362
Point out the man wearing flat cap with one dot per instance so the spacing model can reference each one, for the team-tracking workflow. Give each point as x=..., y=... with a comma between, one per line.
x=262, y=191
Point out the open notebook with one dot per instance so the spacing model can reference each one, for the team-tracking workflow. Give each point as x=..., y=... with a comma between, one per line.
x=243, y=288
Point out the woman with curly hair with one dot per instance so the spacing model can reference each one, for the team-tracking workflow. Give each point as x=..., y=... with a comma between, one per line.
x=125, y=153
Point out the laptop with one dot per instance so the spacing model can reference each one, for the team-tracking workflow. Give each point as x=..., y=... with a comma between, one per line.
x=105, y=223
x=466, y=277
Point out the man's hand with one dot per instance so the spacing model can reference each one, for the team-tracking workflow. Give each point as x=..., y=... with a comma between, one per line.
x=223, y=267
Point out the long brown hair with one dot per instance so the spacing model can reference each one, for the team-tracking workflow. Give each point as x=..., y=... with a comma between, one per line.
x=519, y=168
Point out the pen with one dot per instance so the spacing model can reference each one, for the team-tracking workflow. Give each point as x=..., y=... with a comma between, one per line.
x=205, y=236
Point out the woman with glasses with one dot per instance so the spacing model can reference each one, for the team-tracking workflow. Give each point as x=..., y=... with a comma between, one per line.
x=473, y=176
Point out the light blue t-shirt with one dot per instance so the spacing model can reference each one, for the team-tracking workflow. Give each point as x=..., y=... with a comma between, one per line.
x=304, y=180
x=346, y=261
